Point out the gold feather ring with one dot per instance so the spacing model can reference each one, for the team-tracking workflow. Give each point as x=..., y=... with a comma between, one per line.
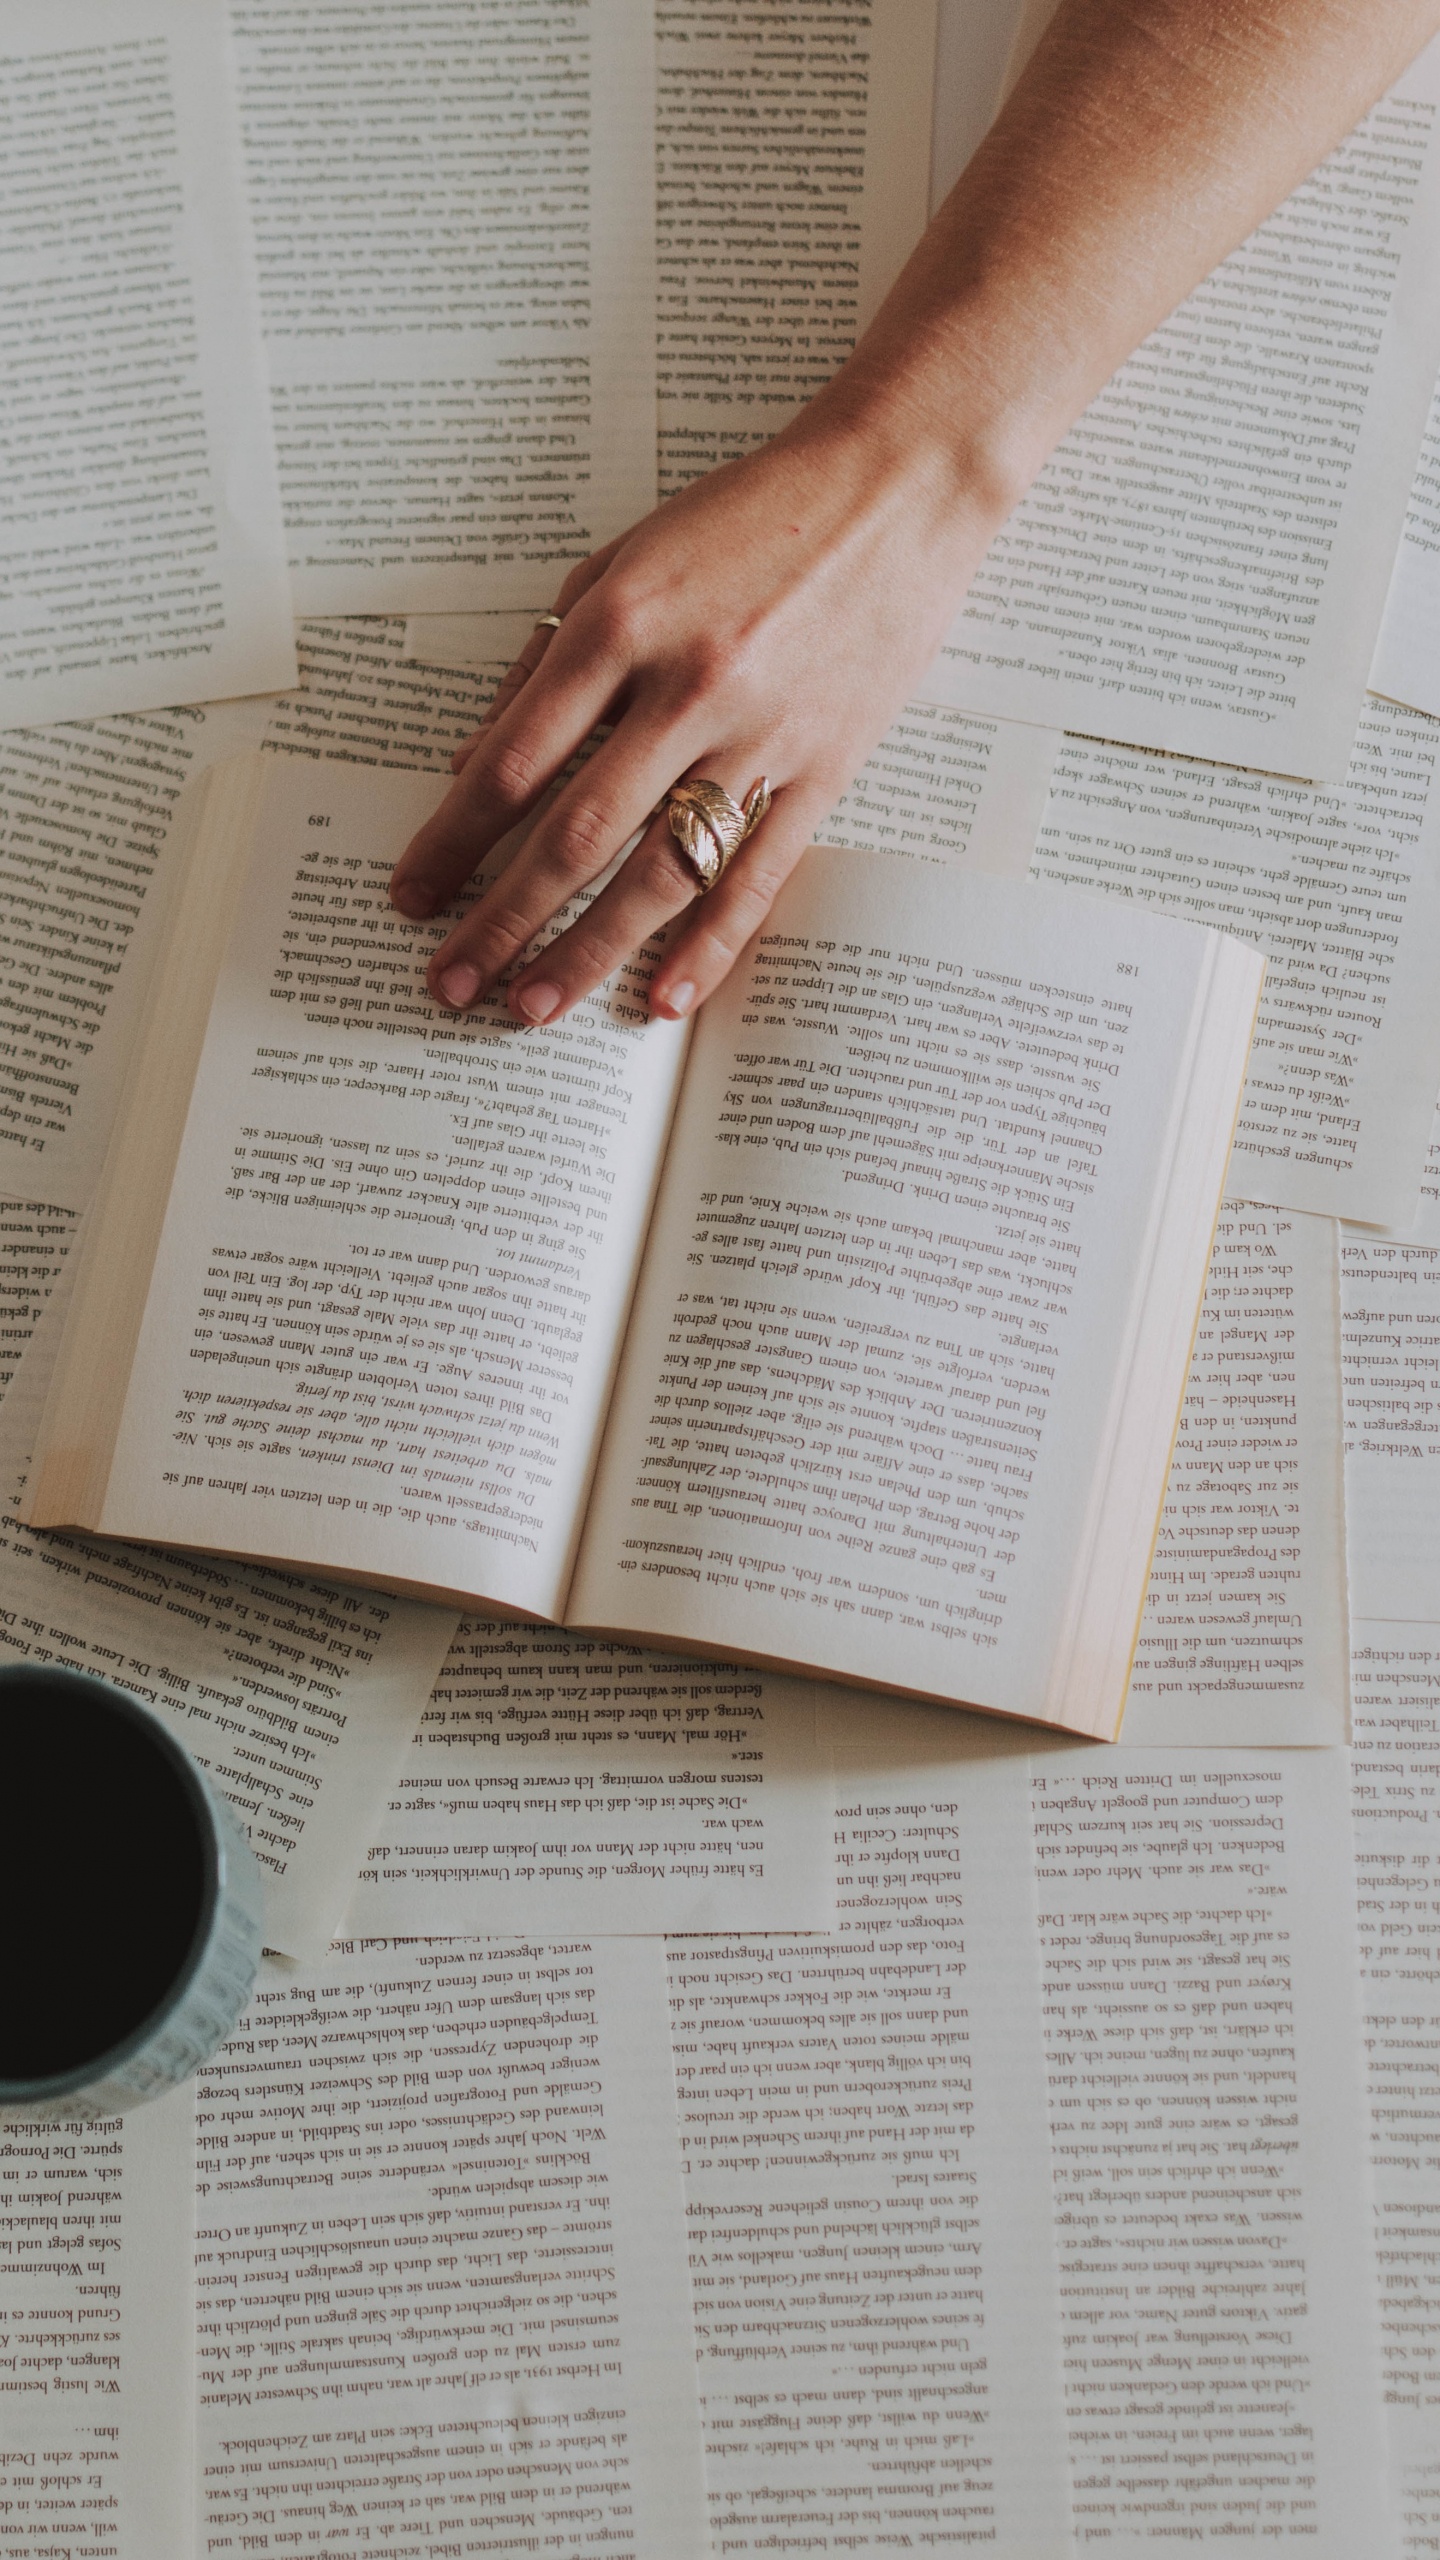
x=710, y=827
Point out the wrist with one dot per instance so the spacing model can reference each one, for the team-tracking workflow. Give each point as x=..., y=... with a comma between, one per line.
x=946, y=446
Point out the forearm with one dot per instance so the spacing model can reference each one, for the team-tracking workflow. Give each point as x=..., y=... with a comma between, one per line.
x=773, y=617
x=1145, y=139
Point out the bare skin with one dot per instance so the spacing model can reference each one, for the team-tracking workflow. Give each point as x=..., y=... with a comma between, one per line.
x=773, y=618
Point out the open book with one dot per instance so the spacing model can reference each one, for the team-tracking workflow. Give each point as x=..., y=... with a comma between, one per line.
x=847, y=1335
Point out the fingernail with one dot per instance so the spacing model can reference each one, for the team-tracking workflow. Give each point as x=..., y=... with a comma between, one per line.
x=676, y=1001
x=459, y=982
x=537, y=1003
x=413, y=899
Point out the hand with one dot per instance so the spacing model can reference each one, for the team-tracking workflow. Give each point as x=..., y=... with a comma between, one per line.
x=771, y=619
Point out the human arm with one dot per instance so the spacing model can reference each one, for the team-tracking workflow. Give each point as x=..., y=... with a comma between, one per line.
x=773, y=617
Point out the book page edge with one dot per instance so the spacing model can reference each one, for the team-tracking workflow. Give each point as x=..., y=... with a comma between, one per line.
x=74, y=1451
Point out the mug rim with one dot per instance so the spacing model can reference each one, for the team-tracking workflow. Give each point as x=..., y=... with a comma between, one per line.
x=104, y=2065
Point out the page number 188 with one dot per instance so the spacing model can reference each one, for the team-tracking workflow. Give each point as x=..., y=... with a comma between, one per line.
x=1127, y=969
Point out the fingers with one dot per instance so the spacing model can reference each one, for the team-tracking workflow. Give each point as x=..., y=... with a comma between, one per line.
x=656, y=883
x=508, y=766
x=511, y=684
x=526, y=737
x=705, y=951
x=609, y=800
x=653, y=883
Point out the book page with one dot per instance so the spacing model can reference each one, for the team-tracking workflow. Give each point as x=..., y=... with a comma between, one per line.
x=1406, y=665
x=97, y=2314
x=389, y=1295
x=868, y=2190
x=444, y=2287
x=889, y=1281
x=454, y=215
x=559, y=1781
x=1203, y=562
x=1341, y=891
x=1245, y=1636
x=299, y=1698
x=34, y=1244
x=1397, y=1867
x=87, y=855
x=1212, y=2203
x=1390, y=1313
x=140, y=527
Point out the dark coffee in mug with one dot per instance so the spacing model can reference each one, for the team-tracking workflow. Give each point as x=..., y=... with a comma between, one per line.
x=102, y=1880
x=129, y=1900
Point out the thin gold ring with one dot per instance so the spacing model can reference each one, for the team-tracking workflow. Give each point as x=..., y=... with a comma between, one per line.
x=548, y=622
x=710, y=827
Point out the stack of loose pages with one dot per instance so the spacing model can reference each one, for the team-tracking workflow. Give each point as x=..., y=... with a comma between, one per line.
x=688, y=2110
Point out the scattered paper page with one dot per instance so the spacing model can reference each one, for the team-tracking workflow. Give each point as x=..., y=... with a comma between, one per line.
x=446, y=2282
x=97, y=2315
x=1406, y=664
x=1427, y=1222
x=1397, y=1869
x=1213, y=2206
x=557, y=1780
x=86, y=858
x=361, y=701
x=299, y=1698
x=1030, y=21
x=792, y=173
x=1341, y=891
x=140, y=537
x=1202, y=564
x=454, y=228
x=791, y=167
x=1244, y=1637
x=1390, y=1315
x=469, y=639
x=975, y=47
x=863, y=2118
x=944, y=787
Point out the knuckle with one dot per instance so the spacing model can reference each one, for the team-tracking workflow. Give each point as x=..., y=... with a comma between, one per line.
x=722, y=942
x=584, y=841
x=509, y=769
x=662, y=874
x=576, y=582
x=588, y=957
x=612, y=628
x=709, y=664
x=731, y=926
x=489, y=940
x=758, y=885
x=507, y=927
